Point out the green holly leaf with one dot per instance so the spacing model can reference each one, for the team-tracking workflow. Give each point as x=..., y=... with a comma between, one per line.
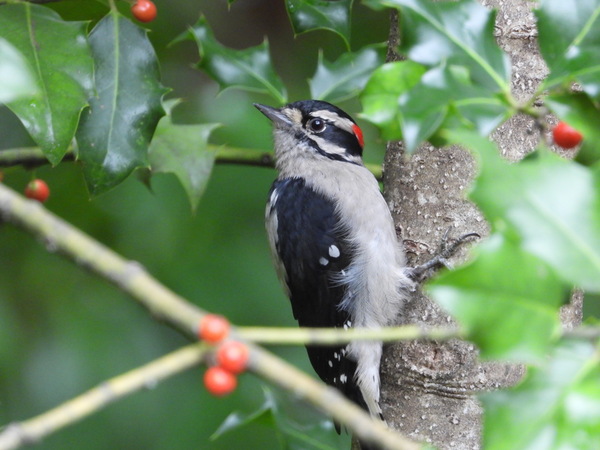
x=557, y=406
x=569, y=39
x=308, y=15
x=578, y=111
x=446, y=93
x=183, y=150
x=116, y=130
x=344, y=78
x=293, y=425
x=459, y=32
x=62, y=68
x=381, y=95
x=504, y=289
x=552, y=203
x=265, y=416
x=468, y=81
x=248, y=69
x=16, y=78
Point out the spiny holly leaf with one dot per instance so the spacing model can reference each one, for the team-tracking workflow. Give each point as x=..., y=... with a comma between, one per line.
x=308, y=15
x=115, y=131
x=265, y=415
x=183, y=150
x=505, y=289
x=460, y=32
x=344, y=78
x=446, y=93
x=248, y=69
x=59, y=56
x=557, y=406
x=553, y=203
x=277, y=415
x=16, y=78
x=383, y=90
x=569, y=38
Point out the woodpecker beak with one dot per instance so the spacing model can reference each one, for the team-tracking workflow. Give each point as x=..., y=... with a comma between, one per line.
x=278, y=118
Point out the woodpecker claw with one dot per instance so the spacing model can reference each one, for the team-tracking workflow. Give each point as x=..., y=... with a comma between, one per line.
x=426, y=270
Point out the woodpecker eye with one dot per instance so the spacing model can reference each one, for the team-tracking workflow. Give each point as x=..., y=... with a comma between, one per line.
x=316, y=125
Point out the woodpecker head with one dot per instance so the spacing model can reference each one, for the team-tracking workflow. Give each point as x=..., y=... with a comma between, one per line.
x=315, y=129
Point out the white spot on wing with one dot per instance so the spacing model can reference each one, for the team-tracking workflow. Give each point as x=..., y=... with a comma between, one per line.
x=323, y=261
x=334, y=252
x=343, y=378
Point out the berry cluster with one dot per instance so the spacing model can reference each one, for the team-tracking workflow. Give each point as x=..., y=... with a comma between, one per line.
x=231, y=356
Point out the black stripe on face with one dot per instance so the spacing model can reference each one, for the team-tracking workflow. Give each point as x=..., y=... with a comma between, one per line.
x=333, y=156
x=342, y=138
x=339, y=137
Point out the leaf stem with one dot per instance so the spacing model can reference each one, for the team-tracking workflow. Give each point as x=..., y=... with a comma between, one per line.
x=586, y=28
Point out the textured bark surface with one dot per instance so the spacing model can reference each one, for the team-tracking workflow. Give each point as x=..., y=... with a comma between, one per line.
x=429, y=388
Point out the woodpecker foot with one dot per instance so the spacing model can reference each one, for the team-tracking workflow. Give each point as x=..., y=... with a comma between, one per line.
x=447, y=250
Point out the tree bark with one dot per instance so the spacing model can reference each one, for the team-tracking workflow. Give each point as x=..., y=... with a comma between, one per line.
x=429, y=388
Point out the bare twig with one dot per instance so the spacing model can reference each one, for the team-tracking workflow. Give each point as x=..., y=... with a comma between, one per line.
x=330, y=336
x=33, y=157
x=27, y=156
x=184, y=316
x=130, y=277
x=35, y=429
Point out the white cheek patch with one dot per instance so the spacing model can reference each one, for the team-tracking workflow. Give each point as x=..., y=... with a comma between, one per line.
x=328, y=147
x=294, y=114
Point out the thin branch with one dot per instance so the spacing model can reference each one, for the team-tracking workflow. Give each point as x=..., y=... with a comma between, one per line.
x=33, y=430
x=131, y=278
x=27, y=156
x=330, y=336
x=329, y=400
x=31, y=157
x=586, y=332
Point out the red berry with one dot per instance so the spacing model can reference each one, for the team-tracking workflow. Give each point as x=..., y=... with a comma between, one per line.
x=219, y=381
x=213, y=328
x=566, y=136
x=144, y=10
x=233, y=356
x=37, y=190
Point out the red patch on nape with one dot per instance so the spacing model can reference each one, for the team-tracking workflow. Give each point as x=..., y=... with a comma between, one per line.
x=358, y=134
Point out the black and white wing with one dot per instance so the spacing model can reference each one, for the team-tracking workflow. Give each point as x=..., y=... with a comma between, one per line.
x=312, y=253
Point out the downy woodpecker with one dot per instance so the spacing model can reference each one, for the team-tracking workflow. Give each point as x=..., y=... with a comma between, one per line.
x=333, y=241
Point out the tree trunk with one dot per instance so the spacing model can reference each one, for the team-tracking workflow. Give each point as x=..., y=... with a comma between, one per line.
x=429, y=388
